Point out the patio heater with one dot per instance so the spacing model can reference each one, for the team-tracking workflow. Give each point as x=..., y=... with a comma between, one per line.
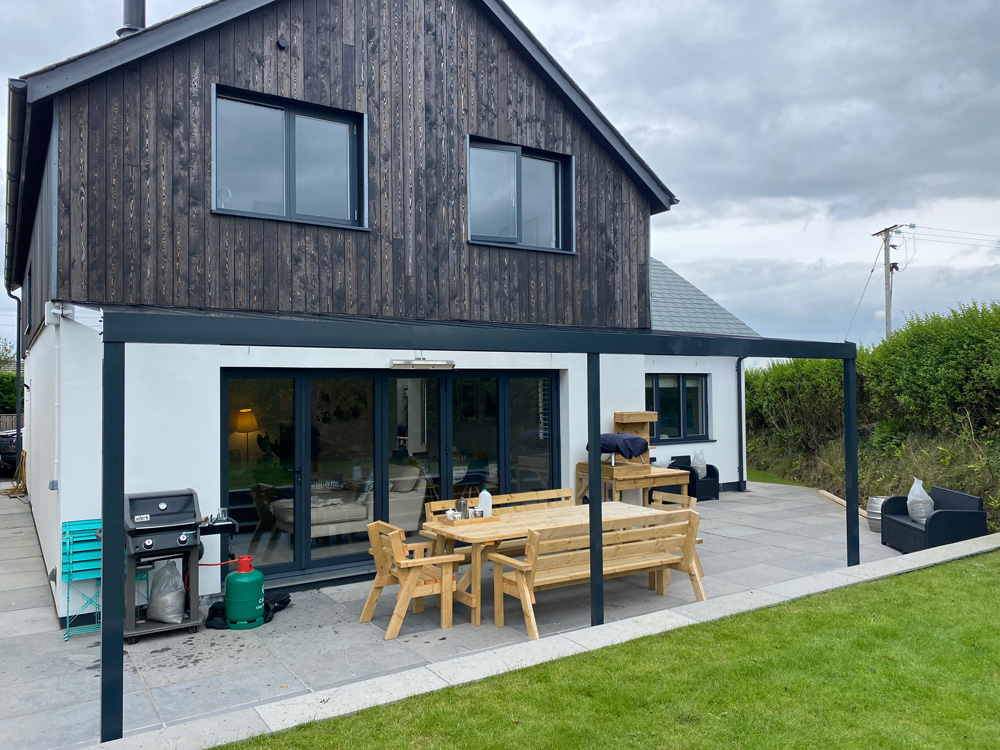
x=246, y=423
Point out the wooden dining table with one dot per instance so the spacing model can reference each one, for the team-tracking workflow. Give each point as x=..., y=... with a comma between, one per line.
x=484, y=537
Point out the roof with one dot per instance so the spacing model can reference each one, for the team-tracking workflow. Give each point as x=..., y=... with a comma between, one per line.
x=675, y=304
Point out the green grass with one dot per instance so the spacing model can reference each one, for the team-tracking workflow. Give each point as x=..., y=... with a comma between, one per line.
x=911, y=661
x=753, y=475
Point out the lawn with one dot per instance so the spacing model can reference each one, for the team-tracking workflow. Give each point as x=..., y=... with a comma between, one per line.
x=911, y=661
x=753, y=475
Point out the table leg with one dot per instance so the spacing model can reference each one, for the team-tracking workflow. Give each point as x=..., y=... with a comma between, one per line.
x=581, y=487
x=684, y=488
x=477, y=583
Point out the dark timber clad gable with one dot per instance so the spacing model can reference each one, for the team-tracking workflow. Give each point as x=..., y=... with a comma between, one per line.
x=135, y=225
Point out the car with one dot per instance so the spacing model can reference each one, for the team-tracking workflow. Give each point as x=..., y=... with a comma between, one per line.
x=9, y=455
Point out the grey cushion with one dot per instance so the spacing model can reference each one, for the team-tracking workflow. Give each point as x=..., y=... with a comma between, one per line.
x=403, y=478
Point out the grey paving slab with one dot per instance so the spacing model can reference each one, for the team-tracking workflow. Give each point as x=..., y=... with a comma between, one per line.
x=20, y=551
x=225, y=692
x=462, y=638
x=182, y=657
x=74, y=724
x=14, y=580
x=20, y=622
x=19, y=537
x=758, y=575
x=26, y=564
x=813, y=584
x=505, y=659
x=349, y=699
x=197, y=734
x=724, y=606
x=21, y=520
x=28, y=598
x=626, y=630
x=806, y=563
x=41, y=672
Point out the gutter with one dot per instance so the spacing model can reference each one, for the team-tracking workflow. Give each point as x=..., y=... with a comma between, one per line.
x=17, y=107
x=741, y=425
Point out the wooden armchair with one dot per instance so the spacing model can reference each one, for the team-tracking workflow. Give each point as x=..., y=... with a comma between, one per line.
x=417, y=575
x=670, y=501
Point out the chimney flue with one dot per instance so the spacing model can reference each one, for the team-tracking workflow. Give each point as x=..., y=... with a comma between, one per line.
x=134, y=17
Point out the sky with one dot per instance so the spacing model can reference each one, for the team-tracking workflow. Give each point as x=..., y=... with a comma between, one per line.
x=790, y=130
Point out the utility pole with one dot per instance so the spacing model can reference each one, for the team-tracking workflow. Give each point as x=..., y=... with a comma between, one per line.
x=889, y=268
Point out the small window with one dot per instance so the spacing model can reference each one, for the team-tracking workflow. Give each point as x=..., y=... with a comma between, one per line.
x=284, y=160
x=519, y=197
x=681, y=401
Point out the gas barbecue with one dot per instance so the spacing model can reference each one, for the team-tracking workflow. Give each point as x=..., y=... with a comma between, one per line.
x=165, y=526
x=161, y=526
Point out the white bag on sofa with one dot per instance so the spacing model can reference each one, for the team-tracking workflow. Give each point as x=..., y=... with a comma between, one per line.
x=919, y=504
x=699, y=464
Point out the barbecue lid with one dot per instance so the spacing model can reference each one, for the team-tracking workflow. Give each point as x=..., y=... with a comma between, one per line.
x=170, y=508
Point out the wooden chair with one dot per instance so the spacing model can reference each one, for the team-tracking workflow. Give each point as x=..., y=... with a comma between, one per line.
x=417, y=575
x=560, y=556
x=670, y=501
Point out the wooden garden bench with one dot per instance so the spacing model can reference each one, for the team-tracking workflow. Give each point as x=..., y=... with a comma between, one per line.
x=560, y=556
x=417, y=575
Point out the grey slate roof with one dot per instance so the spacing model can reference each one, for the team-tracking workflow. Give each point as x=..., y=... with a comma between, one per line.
x=678, y=305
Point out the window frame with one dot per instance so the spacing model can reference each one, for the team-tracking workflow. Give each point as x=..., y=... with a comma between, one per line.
x=565, y=195
x=357, y=168
x=684, y=436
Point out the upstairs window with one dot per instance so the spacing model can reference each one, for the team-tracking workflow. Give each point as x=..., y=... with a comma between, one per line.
x=520, y=196
x=283, y=160
x=681, y=401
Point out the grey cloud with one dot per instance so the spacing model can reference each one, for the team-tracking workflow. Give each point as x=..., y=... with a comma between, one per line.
x=856, y=107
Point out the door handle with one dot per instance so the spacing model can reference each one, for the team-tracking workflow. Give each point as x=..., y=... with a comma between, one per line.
x=298, y=475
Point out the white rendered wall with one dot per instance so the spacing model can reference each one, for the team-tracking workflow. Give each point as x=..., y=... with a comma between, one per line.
x=63, y=431
x=724, y=426
x=39, y=440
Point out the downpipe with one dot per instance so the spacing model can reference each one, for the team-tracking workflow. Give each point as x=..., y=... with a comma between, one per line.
x=19, y=390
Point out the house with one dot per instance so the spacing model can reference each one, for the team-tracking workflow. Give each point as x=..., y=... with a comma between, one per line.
x=699, y=399
x=301, y=217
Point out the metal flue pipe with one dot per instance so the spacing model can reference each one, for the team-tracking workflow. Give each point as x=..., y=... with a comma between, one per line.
x=134, y=17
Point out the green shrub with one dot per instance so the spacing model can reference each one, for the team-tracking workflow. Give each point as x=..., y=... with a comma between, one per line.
x=928, y=406
x=8, y=386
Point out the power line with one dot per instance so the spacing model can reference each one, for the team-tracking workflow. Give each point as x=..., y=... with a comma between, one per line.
x=952, y=242
x=957, y=231
x=870, y=274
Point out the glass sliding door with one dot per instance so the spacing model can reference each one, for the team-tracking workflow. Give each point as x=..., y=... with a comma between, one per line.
x=414, y=448
x=341, y=492
x=475, y=425
x=261, y=466
x=531, y=434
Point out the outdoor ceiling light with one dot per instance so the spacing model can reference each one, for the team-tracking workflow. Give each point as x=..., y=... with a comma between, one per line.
x=422, y=364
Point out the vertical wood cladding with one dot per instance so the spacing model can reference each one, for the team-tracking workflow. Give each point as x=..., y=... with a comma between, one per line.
x=134, y=204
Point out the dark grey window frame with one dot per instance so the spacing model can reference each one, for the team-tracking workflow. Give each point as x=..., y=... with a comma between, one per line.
x=357, y=167
x=684, y=437
x=566, y=198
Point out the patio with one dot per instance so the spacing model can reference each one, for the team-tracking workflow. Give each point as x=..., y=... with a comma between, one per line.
x=766, y=536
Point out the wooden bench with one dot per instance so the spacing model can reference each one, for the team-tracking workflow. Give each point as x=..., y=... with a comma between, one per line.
x=504, y=504
x=560, y=556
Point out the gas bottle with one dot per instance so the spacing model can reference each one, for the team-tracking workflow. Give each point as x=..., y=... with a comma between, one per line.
x=245, y=596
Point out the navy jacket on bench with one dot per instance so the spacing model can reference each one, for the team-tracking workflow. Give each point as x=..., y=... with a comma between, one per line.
x=956, y=517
